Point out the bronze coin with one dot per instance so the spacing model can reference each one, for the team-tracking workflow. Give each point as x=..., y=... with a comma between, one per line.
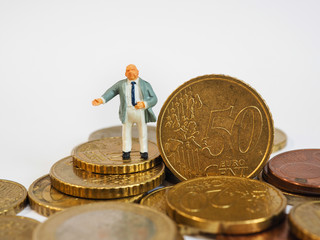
x=295, y=171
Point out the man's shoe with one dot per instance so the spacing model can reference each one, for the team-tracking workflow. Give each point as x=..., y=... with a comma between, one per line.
x=144, y=155
x=125, y=155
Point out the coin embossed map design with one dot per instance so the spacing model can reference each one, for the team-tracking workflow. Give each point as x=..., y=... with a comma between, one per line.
x=105, y=156
x=79, y=183
x=46, y=200
x=226, y=205
x=13, y=197
x=215, y=125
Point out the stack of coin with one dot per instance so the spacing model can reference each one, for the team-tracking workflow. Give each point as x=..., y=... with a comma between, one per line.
x=296, y=173
x=96, y=172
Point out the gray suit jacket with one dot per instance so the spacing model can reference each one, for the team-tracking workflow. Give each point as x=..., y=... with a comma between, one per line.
x=148, y=96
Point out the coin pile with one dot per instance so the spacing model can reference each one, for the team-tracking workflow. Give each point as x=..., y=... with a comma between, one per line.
x=96, y=172
x=213, y=133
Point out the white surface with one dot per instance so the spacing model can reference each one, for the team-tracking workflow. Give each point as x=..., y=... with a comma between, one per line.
x=56, y=56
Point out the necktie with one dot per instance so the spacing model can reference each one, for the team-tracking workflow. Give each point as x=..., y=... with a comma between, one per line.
x=133, y=98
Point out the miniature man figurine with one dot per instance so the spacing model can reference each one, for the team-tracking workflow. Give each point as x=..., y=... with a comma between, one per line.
x=136, y=100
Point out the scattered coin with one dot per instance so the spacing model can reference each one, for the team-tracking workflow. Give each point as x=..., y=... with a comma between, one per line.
x=157, y=199
x=292, y=198
x=226, y=205
x=116, y=131
x=295, y=171
x=79, y=183
x=16, y=227
x=215, y=125
x=114, y=221
x=46, y=200
x=13, y=197
x=279, y=141
x=304, y=220
x=105, y=156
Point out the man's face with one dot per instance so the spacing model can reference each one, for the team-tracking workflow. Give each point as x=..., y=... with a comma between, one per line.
x=132, y=72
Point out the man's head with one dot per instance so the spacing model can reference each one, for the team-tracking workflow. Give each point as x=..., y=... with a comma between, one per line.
x=132, y=72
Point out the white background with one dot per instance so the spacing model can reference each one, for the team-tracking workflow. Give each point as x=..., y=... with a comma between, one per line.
x=56, y=56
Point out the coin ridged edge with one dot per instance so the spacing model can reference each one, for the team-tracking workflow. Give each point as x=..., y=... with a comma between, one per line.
x=41, y=208
x=115, y=169
x=257, y=96
x=20, y=204
x=107, y=193
x=229, y=227
x=298, y=231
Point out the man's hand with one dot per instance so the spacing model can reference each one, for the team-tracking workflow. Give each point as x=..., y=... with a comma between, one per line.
x=140, y=105
x=97, y=102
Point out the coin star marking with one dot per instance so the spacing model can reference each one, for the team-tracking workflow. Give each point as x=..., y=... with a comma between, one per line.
x=226, y=205
x=215, y=125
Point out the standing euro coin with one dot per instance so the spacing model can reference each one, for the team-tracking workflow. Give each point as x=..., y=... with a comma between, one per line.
x=226, y=205
x=215, y=125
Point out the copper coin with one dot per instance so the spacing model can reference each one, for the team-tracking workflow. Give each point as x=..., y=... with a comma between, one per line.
x=295, y=171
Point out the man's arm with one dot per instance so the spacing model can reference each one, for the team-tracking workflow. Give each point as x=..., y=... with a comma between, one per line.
x=108, y=95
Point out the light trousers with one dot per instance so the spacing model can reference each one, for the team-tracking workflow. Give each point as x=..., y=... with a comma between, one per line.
x=134, y=116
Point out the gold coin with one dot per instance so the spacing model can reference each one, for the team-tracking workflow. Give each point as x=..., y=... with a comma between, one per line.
x=13, y=197
x=79, y=183
x=16, y=227
x=304, y=220
x=215, y=125
x=116, y=131
x=292, y=198
x=279, y=141
x=105, y=156
x=123, y=221
x=46, y=200
x=157, y=199
x=226, y=205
